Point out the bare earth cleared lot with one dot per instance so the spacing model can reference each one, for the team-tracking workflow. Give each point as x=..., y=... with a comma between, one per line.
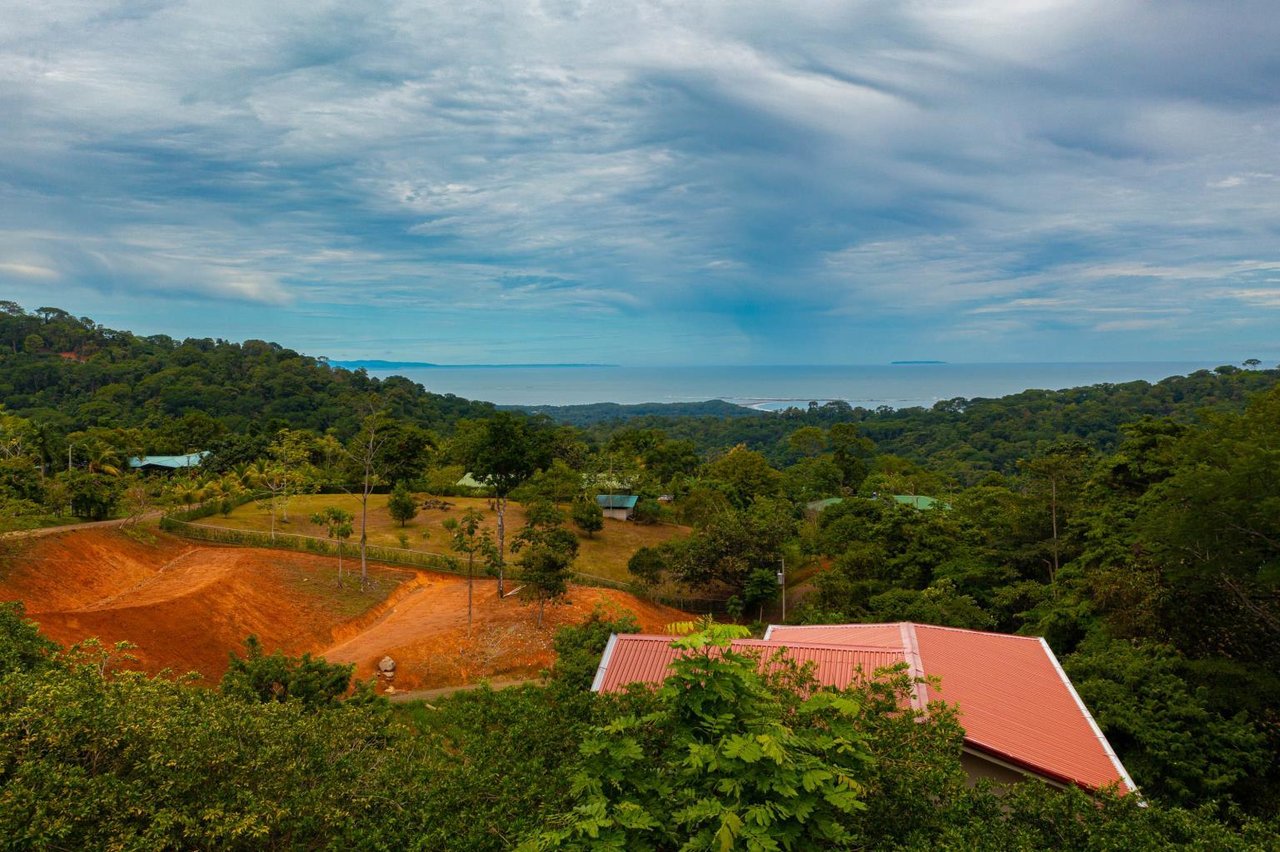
x=186, y=605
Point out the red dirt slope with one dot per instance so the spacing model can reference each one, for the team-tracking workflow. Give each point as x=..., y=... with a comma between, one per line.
x=185, y=606
x=425, y=632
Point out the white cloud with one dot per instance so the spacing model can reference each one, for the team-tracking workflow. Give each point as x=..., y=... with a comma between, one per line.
x=25, y=270
x=1020, y=163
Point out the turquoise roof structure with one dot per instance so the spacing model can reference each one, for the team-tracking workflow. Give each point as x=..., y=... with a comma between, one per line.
x=169, y=462
x=819, y=505
x=617, y=501
x=915, y=501
x=918, y=501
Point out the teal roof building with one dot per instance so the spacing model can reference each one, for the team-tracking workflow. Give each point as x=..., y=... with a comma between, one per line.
x=168, y=462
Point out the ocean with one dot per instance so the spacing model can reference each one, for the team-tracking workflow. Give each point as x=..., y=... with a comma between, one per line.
x=775, y=388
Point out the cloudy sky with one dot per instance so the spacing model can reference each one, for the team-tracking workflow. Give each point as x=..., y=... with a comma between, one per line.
x=669, y=182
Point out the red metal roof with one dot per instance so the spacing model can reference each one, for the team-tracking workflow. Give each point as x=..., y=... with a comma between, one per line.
x=1015, y=701
x=634, y=658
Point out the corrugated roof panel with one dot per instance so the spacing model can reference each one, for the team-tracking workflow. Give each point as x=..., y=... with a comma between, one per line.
x=1015, y=702
x=646, y=659
x=188, y=460
x=617, y=501
x=877, y=635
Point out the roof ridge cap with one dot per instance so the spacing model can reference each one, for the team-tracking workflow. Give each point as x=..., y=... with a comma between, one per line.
x=915, y=665
x=851, y=646
x=971, y=630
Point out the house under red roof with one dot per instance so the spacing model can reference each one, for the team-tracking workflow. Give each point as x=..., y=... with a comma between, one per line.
x=1020, y=713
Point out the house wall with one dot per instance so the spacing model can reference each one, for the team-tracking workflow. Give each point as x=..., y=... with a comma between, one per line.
x=978, y=767
x=618, y=514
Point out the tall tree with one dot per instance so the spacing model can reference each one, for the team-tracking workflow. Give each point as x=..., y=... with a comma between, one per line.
x=851, y=450
x=548, y=552
x=291, y=453
x=1056, y=478
x=465, y=536
x=337, y=523
x=363, y=454
x=503, y=456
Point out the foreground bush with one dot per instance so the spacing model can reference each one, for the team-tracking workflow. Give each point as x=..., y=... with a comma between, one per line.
x=92, y=757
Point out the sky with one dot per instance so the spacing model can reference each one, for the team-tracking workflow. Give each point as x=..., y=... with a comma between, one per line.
x=665, y=182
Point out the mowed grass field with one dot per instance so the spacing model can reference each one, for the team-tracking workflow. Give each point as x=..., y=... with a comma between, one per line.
x=604, y=555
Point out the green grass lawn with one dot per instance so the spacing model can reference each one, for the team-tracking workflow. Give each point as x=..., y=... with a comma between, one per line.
x=604, y=555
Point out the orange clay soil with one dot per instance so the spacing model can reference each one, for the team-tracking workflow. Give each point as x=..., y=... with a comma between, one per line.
x=425, y=631
x=186, y=605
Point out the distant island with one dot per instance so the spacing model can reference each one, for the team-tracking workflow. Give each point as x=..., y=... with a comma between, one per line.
x=899, y=363
x=375, y=364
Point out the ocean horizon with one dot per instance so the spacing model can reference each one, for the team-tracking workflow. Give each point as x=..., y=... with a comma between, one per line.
x=900, y=385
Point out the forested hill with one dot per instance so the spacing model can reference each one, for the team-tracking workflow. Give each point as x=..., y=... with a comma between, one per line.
x=967, y=437
x=71, y=373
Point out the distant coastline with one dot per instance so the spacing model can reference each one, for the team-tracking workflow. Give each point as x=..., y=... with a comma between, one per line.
x=773, y=388
x=900, y=363
x=374, y=364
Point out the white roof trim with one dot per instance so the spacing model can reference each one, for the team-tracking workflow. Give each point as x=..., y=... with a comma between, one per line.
x=604, y=662
x=1102, y=739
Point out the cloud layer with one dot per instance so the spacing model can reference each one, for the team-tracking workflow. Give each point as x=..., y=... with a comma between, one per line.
x=643, y=182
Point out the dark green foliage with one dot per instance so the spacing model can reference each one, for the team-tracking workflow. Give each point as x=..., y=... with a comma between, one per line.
x=93, y=496
x=92, y=759
x=313, y=683
x=22, y=648
x=588, y=517
x=506, y=452
x=647, y=565
x=881, y=547
x=492, y=767
x=1175, y=746
x=248, y=388
x=647, y=511
x=578, y=648
x=1034, y=817
x=1212, y=529
x=94, y=762
x=548, y=551
x=940, y=603
x=401, y=505
x=850, y=453
x=723, y=553
x=402, y=455
x=745, y=476
x=813, y=479
x=723, y=759
x=760, y=588
x=967, y=438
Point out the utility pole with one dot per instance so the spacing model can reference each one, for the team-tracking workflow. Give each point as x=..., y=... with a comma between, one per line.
x=782, y=581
